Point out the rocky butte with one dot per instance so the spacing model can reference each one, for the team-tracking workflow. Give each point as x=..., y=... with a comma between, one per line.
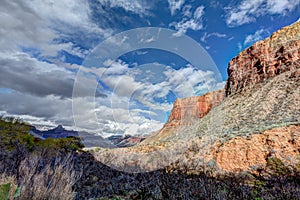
x=187, y=110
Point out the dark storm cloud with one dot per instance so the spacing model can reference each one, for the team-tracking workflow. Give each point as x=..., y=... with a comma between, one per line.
x=49, y=107
x=28, y=75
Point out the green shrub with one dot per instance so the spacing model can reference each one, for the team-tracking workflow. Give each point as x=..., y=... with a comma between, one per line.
x=66, y=144
x=277, y=166
x=4, y=191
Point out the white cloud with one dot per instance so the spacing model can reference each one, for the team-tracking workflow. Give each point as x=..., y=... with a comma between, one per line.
x=175, y=5
x=186, y=10
x=189, y=81
x=195, y=23
x=50, y=111
x=37, y=24
x=281, y=6
x=252, y=38
x=215, y=34
x=240, y=46
x=258, y=35
x=115, y=68
x=133, y=107
x=135, y=6
x=248, y=10
x=112, y=119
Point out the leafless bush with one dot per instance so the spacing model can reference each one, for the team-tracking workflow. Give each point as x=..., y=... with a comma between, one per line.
x=47, y=181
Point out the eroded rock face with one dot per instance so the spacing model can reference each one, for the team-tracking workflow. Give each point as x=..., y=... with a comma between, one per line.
x=265, y=59
x=248, y=154
x=186, y=110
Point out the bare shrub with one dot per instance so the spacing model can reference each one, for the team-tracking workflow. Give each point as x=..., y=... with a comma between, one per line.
x=48, y=181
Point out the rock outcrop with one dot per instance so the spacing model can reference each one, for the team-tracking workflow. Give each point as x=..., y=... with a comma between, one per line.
x=249, y=154
x=265, y=59
x=186, y=110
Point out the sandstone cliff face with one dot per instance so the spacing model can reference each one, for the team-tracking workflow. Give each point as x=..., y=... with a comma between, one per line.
x=186, y=110
x=265, y=59
x=249, y=154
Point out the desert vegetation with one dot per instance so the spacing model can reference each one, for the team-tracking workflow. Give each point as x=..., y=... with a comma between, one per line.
x=59, y=169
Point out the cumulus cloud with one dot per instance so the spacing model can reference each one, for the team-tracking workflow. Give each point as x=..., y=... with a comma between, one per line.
x=113, y=117
x=194, y=23
x=189, y=81
x=135, y=6
x=39, y=25
x=249, y=10
x=47, y=112
x=137, y=100
x=258, y=35
x=175, y=5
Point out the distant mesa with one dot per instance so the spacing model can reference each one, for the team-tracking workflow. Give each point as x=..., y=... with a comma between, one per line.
x=58, y=132
x=88, y=139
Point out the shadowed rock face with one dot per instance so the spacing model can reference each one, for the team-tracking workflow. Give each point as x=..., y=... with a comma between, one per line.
x=265, y=59
x=186, y=110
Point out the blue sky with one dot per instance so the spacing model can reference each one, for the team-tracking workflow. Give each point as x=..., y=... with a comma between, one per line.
x=45, y=43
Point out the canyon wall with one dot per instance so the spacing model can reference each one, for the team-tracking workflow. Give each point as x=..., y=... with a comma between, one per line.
x=267, y=58
x=186, y=110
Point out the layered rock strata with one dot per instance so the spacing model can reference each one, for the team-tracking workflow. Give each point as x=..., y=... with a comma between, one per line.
x=265, y=59
x=186, y=110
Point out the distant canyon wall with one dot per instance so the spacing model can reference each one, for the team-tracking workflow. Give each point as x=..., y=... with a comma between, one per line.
x=186, y=110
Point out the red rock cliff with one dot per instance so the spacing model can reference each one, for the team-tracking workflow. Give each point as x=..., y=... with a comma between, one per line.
x=265, y=59
x=188, y=109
